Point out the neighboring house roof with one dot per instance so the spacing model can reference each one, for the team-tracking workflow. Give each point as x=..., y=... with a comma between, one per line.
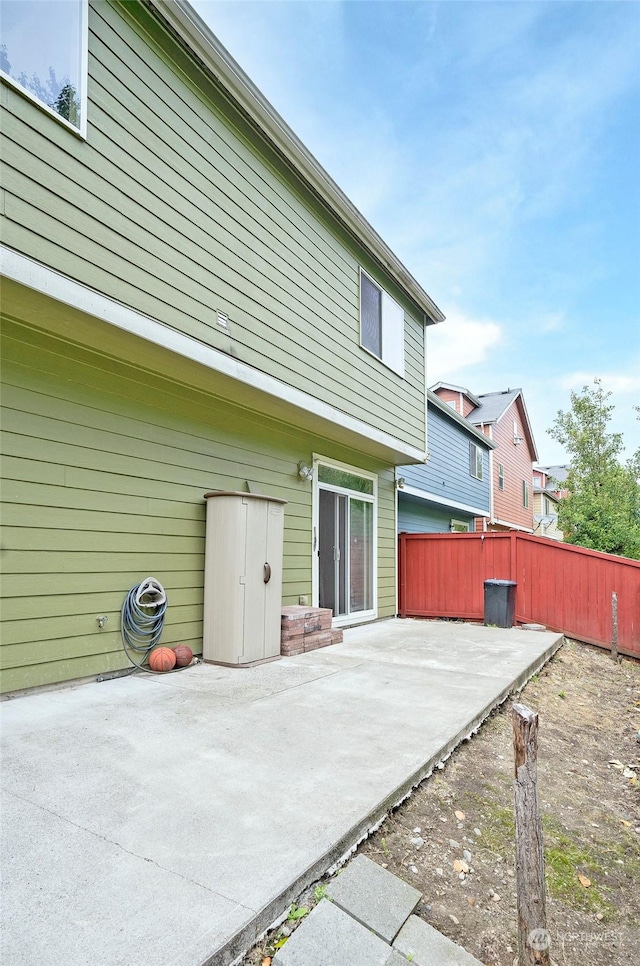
x=443, y=407
x=450, y=386
x=229, y=76
x=493, y=406
x=559, y=473
x=548, y=493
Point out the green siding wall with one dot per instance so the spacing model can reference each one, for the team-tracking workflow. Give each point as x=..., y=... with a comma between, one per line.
x=104, y=467
x=176, y=207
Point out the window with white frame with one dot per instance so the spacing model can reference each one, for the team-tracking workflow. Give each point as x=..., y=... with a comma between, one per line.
x=44, y=54
x=525, y=493
x=475, y=461
x=381, y=324
x=500, y=476
x=459, y=526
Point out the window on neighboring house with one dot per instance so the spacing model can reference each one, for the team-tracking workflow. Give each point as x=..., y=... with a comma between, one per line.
x=525, y=493
x=547, y=506
x=459, y=526
x=500, y=476
x=52, y=74
x=381, y=325
x=475, y=461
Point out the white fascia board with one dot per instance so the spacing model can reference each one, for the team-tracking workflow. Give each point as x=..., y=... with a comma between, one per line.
x=198, y=37
x=512, y=526
x=435, y=498
x=47, y=282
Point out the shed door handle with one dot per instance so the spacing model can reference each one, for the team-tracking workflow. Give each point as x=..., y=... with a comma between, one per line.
x=267, y=573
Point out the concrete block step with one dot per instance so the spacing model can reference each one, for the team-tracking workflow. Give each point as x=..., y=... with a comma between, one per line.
x=374, y=896
x=422, y=945
x=330, y=937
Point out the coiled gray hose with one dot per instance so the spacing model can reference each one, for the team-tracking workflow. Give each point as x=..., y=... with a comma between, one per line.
x=142, y=623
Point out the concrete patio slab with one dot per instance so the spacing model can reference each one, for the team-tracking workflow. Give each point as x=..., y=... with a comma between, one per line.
x=169, y=820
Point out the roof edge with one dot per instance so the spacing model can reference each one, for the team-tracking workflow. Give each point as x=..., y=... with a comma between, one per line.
x=465, y=392
x=446, y=409
x=200, y=39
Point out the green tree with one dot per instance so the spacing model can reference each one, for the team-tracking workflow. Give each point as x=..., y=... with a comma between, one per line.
x=602, y=509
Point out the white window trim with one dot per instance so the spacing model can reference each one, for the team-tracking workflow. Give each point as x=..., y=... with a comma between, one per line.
x=461, y=525
x=478, y=453
x=526, y=495
x=501, y=477
x=80, y=132
x=362, y=616
x=392, y=305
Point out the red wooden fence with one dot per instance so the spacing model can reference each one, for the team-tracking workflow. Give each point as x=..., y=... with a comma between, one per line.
x=564, y=587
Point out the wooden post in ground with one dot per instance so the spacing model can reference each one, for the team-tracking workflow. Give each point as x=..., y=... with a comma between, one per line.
x=614, y=627
x=533, y=938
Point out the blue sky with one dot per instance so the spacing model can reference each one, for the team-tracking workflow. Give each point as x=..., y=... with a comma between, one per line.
x=495, y=146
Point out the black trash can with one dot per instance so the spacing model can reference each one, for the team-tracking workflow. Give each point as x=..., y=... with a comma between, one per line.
x=499, y=602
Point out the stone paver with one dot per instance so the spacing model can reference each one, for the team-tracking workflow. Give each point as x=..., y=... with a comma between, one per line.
x=428, y=947
x=375, y=897
x=330, y=937
x=397, y=959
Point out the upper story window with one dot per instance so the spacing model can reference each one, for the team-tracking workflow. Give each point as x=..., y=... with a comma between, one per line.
x=525, y=493
x=475, y=461
x=381, y=325
x=500, y=476
x=44, y=54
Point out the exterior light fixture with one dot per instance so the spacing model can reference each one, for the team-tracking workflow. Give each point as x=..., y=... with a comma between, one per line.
x=305, y=472
x=400, y=483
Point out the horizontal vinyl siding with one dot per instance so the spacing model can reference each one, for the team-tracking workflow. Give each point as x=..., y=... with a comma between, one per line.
x=170, y=209
x=517, y=461
x=104, y=469
x=417, y=516
x=446, y=474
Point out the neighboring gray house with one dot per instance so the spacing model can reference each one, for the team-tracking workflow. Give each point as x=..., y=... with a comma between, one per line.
x=452, y=489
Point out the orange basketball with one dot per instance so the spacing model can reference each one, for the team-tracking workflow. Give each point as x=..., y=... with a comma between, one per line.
x=162, y=659
x=184, y=655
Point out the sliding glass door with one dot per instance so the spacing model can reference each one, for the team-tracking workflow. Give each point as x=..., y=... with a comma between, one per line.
x=345, y=542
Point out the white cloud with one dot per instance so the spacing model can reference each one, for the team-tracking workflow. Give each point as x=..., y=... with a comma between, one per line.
x=458, y=343
x=618, y=383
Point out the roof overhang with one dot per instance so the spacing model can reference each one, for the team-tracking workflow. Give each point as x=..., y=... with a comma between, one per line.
x=227, y=74
x=436, y=403
x=34, y=294
x=465, y=392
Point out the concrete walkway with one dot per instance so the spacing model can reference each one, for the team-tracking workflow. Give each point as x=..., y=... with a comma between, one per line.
x=169, y=820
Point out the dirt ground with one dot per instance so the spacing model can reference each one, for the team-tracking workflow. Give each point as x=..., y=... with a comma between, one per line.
x=588, y=779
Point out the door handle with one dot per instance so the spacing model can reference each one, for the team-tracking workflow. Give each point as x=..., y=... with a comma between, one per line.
x=267, y=573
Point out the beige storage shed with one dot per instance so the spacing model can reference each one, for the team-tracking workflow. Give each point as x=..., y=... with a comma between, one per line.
x=242, y=578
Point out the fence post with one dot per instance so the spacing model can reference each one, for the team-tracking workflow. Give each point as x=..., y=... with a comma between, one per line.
x=614, y=627
x=533, y=938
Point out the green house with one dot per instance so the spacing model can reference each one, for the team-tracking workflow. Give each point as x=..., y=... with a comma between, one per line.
x=189, y=303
